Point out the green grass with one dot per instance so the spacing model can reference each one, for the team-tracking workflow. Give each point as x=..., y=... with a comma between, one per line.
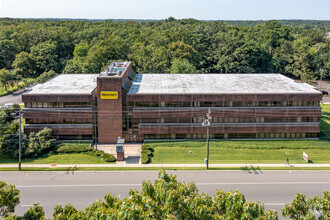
x=76, y=158
x=165, y=168
x=219, y=154
x=252, y=151
x=325, y=121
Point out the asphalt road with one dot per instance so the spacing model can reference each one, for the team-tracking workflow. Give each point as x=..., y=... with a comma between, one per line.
x=15, y=97
x=273, y=188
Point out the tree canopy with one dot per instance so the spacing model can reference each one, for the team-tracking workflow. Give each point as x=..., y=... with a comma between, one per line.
x=30, y=47
x=167, y=198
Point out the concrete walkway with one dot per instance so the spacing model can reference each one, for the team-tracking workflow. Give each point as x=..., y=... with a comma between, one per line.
x=132, y=152
x=118, y=165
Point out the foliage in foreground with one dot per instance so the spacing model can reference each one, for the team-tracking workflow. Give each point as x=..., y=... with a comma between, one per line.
x=9, y=198
x=167, y=198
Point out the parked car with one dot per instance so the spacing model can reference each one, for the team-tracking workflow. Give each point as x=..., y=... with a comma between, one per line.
x=8, y=105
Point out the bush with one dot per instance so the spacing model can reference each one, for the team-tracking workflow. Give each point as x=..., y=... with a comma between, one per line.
x=99, y=152
x=73, y=149
x=145, y=147
x=144, y=158
x=33, y=146
x=108, y=157
x=148, y=152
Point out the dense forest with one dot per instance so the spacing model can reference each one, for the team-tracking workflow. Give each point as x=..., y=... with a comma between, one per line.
x=31, y=47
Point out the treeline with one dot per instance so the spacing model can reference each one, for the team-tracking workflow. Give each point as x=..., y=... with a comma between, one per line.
x=29, y=48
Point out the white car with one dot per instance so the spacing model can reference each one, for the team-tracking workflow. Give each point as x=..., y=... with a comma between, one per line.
x=8, y=105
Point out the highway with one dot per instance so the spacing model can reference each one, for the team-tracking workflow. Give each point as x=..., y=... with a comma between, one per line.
x=273, y=188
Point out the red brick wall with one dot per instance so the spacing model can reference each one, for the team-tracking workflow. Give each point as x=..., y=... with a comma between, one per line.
x=109, y=115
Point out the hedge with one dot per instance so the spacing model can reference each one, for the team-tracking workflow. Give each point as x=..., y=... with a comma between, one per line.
x=99, y=152
x=144, y=158
x=108, y=157
x=146, y=154
x=73, y=149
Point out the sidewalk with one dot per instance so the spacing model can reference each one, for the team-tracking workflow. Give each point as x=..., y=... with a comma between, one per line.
x=119, y=165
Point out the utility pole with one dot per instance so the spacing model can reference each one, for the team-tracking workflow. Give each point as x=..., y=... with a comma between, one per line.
x=20, y=142
x=206, y=123
x=95, y=124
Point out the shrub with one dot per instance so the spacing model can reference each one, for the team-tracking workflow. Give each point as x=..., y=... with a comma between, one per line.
x=108, y=157
x=99, y=152
x=148, y=152
x=33, y=146
x=145, y=147
x=73, y=149
x=144, y=158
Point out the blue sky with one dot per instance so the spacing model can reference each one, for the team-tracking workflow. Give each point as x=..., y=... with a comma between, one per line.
x=160, y=9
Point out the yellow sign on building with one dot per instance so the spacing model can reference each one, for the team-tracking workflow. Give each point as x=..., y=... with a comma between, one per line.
x=109, y=95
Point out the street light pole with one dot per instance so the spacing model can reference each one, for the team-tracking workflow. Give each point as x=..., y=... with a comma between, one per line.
x=207, y=146
x=206, y=123
x=20, y=142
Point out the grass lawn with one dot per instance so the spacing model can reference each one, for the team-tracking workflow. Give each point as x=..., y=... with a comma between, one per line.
x=254, y=151
x=74, y=158
x=220, y=155
x=325, y=121
x=78, y=158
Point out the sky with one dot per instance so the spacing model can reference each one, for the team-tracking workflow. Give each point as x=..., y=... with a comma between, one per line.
x=161, y=9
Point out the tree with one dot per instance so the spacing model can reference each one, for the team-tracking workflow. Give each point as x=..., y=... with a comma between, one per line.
x=7, y=53
x=302, y=63
x=45, y=56
x=9, y=198
x=169, y=199
x=182, y=66
x=6, y=77
x=35, y=212
x=32, y=147
x=302, y=207
x=24, y=65
x=39, y=143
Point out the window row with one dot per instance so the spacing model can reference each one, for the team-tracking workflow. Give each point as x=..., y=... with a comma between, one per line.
x=57, y=104
x=230, y=136
x=225, y=120
x=58, y=121
x=224, y=104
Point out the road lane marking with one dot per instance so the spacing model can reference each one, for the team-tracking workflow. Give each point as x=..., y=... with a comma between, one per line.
x=198, y=184
x=276, y=204
x=263, y=183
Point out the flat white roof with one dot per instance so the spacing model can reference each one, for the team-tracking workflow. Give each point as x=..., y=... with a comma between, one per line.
x=67, y=84
x=216, y=84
